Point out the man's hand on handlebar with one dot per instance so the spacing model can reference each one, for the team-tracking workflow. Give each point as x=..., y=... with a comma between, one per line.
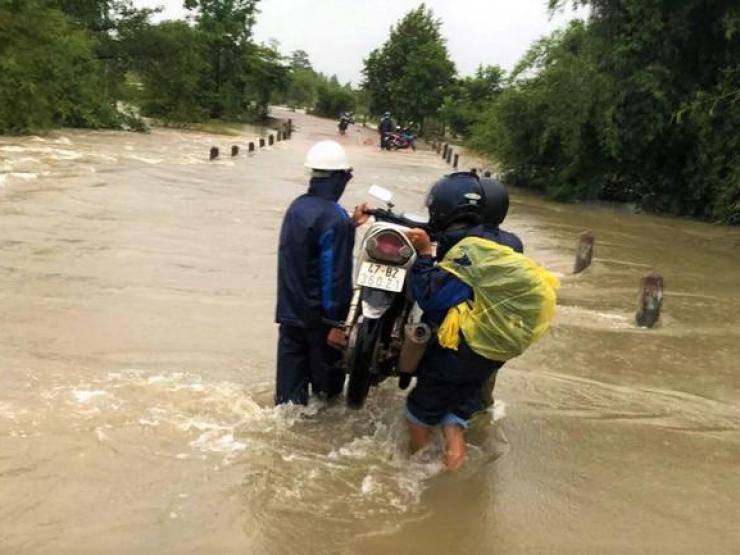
x=420, y=240
x=361, y=214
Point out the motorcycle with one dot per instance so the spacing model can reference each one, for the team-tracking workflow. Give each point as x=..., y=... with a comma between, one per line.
x=386, y=334
x=401, y=139
x=344, y=123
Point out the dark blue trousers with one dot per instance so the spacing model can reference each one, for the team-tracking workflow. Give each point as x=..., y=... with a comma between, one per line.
x=304, y=358
x=451, y=382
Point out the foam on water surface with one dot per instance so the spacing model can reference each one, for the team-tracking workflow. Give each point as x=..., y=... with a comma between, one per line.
x=320, y=457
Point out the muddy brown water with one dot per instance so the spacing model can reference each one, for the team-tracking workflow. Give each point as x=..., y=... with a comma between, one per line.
x=137, y=354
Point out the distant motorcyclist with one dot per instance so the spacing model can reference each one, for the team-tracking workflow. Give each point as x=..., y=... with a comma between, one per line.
x=447, y=391
x=345, y=120
x=385, y=127
x=315, y=279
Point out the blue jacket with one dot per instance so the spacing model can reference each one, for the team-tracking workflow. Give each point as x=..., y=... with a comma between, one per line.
x=386, y=125
x=315, y=257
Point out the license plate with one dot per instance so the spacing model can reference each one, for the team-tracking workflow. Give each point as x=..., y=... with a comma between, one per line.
x=380, y=276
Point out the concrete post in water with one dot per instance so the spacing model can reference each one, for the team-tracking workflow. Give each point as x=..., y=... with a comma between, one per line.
x=584, y=251
x=234, y=150
x=449, y=156
x=213, y=153
x=650, y=301
x=270, y=139
x=455, y=161
x=262, y=142
x=250, y=147
x=444, y=151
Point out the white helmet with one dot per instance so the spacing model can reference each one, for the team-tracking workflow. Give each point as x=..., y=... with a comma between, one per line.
x=327, y=156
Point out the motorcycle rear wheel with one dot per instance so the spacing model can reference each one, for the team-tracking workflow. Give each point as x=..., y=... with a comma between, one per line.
x=361, y=362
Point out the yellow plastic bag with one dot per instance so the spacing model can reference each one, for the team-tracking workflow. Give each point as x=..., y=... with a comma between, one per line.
x=513, y=305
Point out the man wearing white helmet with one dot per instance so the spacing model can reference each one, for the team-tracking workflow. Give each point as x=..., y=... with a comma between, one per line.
x=315, y=279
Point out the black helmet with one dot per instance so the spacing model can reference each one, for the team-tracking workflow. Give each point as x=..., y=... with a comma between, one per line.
x=497, y=201
x=454, y=198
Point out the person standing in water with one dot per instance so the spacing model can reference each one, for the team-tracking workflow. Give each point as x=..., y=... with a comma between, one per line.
x=385, y=126
x=315, y=280
x=449, y=381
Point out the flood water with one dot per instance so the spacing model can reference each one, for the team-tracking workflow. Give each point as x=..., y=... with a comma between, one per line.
x=137, y=354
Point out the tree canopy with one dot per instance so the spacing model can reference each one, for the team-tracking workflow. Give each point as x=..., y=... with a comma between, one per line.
x=411, y=73
x=640, y=103
x=71, y=63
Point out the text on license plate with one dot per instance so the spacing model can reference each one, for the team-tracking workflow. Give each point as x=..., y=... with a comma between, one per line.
x=380, y=276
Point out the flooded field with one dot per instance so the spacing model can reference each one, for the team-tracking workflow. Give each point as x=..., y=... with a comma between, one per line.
x=137, y=354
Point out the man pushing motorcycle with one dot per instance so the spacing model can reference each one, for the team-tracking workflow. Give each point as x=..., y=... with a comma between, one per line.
x=315, y=280
x=473, y=340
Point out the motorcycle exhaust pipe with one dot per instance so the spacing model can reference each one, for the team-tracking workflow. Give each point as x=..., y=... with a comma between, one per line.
x=414, y=344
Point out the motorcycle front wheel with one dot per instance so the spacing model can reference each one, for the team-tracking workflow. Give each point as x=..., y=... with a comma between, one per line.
x=361, y=362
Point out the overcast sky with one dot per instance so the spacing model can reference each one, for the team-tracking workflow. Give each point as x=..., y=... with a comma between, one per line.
x=338, y=34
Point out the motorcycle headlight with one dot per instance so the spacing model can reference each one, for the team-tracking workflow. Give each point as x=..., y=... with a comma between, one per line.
x=389, y=246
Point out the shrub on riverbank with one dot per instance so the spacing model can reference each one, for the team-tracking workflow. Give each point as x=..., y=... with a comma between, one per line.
x=49, y=73
x=68, y=63
x=640, y=104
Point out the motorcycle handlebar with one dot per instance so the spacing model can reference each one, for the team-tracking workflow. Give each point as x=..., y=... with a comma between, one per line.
x=385, y=215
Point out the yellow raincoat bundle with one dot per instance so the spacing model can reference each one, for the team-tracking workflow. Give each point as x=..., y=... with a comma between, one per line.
x=513, y=304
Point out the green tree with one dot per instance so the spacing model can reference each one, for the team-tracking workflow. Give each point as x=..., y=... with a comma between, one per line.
x=265, y=76
x=469, y=98
x=639, y=103
x=50, y=75
x=113, y=26
x=171, y=64
x=227, y=28
x=299, y=60
x=333, y=99
x=412, y=72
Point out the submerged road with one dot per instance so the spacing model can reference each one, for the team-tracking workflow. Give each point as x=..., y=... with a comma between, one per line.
x=137, y=353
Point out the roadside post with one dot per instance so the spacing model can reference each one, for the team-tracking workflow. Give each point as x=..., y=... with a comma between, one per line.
x=250, y=146
x=234, y=150
x=584, y=251
x=262, y=142
x=213, y=154
x=650, y=300
x=456, y=159
x=270, y=139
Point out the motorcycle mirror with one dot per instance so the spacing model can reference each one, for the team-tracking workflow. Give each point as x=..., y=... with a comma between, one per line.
x=415, y=218
x=383, y=195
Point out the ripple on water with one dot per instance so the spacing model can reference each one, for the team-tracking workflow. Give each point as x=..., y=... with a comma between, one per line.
x=319, y=460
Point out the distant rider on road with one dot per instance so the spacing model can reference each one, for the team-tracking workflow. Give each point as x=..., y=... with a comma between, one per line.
x=385, y=126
